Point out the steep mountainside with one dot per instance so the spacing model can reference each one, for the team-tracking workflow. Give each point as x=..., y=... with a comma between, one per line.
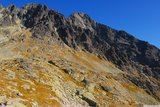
x=49, y=60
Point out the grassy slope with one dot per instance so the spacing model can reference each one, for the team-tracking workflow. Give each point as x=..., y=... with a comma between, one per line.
x=27, y=76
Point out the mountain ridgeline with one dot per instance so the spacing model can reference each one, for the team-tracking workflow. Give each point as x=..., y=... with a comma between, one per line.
x=79, y=31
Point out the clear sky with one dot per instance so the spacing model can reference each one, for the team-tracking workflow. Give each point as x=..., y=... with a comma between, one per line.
x=140, y=18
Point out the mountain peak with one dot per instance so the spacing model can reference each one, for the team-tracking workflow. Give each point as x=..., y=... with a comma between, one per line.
x=82, y=20
x=35, y=6
x=1, y=6
x=80, y=14
x=77, y=51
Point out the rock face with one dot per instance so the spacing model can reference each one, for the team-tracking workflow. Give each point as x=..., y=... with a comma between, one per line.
x=139, y=59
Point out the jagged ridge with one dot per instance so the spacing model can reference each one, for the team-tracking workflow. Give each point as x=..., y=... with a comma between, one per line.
x=80, y=31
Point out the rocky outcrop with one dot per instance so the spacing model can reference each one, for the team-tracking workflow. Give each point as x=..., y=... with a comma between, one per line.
x=80, y=31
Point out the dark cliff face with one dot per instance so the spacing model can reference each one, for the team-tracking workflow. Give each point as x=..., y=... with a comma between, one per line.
x=79, y=30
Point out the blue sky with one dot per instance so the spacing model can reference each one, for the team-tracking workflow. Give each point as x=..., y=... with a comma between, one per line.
x=140, y=18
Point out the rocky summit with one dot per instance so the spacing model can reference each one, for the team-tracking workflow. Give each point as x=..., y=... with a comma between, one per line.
x=48, y=60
